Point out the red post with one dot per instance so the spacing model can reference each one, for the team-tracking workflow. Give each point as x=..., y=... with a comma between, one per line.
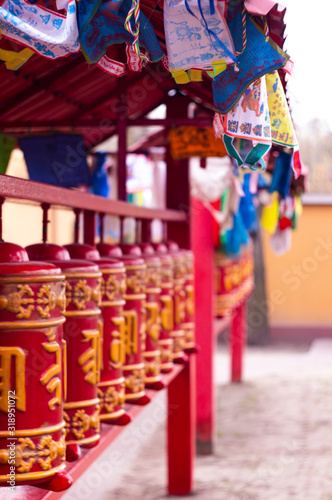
x=177, y=177
x=238, y=342
x=181, y=430
x=202, y=246
x=89, y=227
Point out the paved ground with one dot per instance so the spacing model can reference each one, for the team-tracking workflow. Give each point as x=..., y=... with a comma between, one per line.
x=273, y=437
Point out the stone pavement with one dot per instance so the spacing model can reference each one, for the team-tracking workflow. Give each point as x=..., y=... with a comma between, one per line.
x=273, y=435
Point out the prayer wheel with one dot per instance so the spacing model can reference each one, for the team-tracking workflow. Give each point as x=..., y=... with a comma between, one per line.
x=189, y=311
x=179, y=299
x=166, y=342
x=152, y=354
x=234, y=281
x=135, y=327
x=81, y=332
x=111, y=387
x=32, y=372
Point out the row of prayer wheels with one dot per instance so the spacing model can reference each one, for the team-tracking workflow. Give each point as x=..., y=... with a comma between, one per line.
x=83, y=330
x=234, y=281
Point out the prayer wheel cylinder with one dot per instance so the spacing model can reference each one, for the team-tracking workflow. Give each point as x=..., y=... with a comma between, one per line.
x=166, y=342
x=189, y=315
x=111, y=388
x=32, y=371
x=134, y=314
x=179, y=301
x=81, y=332
x=152, y=354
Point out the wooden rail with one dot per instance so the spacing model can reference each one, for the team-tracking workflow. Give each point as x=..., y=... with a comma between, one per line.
x=37, y=192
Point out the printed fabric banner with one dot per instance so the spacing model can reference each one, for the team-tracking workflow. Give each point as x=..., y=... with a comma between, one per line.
x=282, y=130
x=196, y=35
x=46, y=32
x=249, y=120
x=187, y=142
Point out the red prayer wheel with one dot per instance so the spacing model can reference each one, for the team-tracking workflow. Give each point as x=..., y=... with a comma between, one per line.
x=189, y=312
x=134, y=314
x=32, y=372
x=166, y=342
x=111, y=388
x=234, y=281
x=81, y=332
x=179, y=300
x=152, y=354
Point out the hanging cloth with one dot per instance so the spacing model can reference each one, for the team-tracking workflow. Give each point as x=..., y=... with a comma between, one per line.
x=44, y=31
x=282, y=129
x=100, y=27
x=258, y=58
x=249, y=120
x=7, y=144
x=197, y=36
x=57, y=159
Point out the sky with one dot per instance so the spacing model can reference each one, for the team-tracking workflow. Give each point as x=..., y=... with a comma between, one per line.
x=309, y=30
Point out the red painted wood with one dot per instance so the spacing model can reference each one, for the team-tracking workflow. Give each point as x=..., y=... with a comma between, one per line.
x=238, y=336
x=181, y=430
x=22, y=189
x=89, y=227
x=108, y=434
x=169, y=121
x=201, y=235
x=122, y=147
x=177, y=177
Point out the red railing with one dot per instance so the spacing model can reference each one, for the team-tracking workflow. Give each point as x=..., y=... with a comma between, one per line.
x=180, y=383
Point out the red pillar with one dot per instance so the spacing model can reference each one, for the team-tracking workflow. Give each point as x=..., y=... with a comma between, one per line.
x=181, y=430
x=177, y=177
x=238, y=342
x=202, y=245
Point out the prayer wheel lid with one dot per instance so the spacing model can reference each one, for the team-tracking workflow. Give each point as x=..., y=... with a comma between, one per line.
x=10, y=252
x=28, y=268
x=172, y=246
x=47, y=251
x=132, y=260
x=130, y=249
x=108, y=250
x=82, y=251
x=147, y=249
x=151, y=259
x=77, y=266
x=160, y=248
x=87, y=252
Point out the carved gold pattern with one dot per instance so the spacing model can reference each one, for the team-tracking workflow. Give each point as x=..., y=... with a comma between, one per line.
x=32, y=476
x=81, y=293
x=81, y=422
x=153, y=320
x=135, y=381
x=113, y=286
x=27, y=453
x=167, y=313
x=23, y=301
x=117, y=353
x=136, y=281
x=89, y=360
x=152, y=368
x=179, y=305
x=6, y=385
x=131, y=331
x=48, y=300
x=49, y=377
x=152, y=277
x=20, y=302
x=112, y=398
